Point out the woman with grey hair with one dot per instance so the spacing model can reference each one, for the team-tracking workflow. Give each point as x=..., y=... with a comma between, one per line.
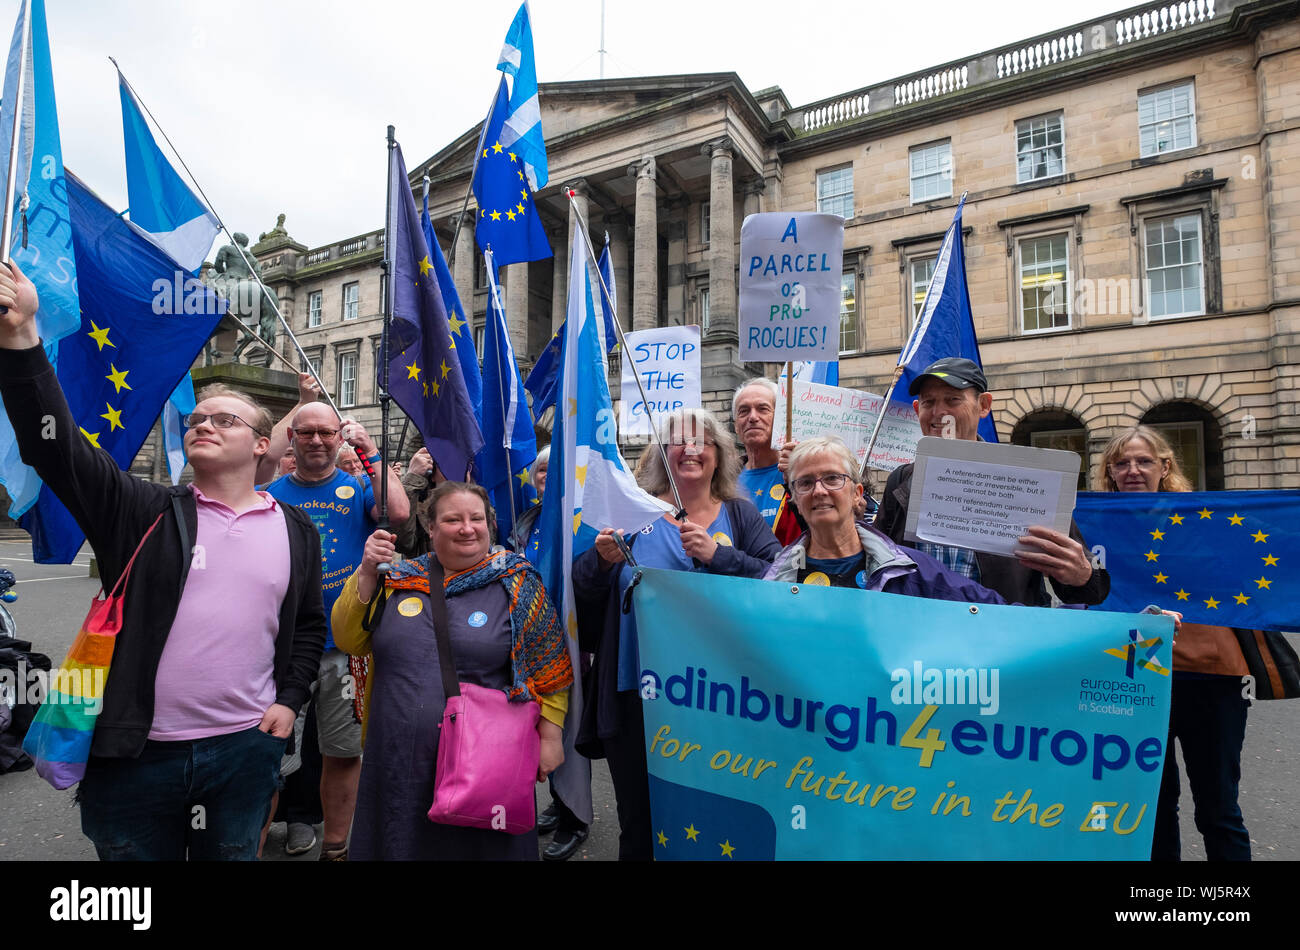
x=722, y=533
x=526, y=538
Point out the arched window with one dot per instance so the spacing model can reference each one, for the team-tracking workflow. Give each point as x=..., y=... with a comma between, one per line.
x=1055, y=429
x=1196, y=439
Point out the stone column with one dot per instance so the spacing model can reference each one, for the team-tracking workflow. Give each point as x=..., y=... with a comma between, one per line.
x=645, y=281
x=560, y=280
x=616, y=223
x=722, y=242
x=463, y=275
x=754, y=189
x=515, y=278
x=675, y=304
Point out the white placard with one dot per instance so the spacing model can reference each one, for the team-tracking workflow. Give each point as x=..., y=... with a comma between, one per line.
x=851, y=415
x=790, y=271
x=982, y=495
x=668, y=361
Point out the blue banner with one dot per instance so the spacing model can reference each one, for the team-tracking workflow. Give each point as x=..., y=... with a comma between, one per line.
x=798, y=722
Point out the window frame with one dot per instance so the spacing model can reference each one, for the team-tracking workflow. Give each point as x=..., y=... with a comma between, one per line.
x=315, y=309
x=1165, y=428
x=355, y=356
x=352, y=285
x=706, y=222
x=1021, y=240
x=1170, y=87
x=1198, y=212
x=1060, y=118
x=859, y=344
x=825, y=175
x=951, y=170
x=912, y=304
x=702, y=310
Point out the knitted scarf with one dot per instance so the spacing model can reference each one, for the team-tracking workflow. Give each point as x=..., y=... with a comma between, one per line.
x=539, y=651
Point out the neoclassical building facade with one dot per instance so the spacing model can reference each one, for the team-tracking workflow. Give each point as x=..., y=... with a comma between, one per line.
x=1132, y=227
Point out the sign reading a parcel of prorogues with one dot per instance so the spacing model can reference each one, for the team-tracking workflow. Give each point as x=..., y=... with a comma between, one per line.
x=790, y=272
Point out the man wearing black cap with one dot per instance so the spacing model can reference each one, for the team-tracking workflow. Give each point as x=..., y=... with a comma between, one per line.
x=951, y=397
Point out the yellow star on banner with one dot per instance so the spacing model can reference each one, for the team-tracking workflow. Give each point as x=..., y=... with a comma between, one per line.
x=692, y=833
x=117, y=377
x=1205, y=514
x=1158, y=534
x=445, y=369
x=663, y=839
x=524, y=193
x=455, y=323
x=100, y=336
x=92, y=439
x=496, y=148
x=573, y=626
x=1241, y=599
x=510, y=214
x=1270, y=560
x=580, y=473
x=426, y=390
x=1212, y=604
x=513, y=156
x=1152, y=556
x=1182, y=594
x=413, y=371
x=485, y=151
x=496, y=215
x=520, y=206
x=435, y=387
x=1176, y=519
x=1259, y=536
x=727, y=848
x=1263, y=583
x=522, y=476
x=573, y=406
x=1236, y=519
x=1160, y=578
x=114, y=417
x=426, y=265
x=577, y=521
x=521, y=176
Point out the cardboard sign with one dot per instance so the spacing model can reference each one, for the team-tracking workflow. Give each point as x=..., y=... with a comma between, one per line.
x=790, y=271
x=668, y=361
x=849, y=414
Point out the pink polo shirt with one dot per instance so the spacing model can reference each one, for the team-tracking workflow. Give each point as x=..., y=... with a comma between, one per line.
x=216, y=674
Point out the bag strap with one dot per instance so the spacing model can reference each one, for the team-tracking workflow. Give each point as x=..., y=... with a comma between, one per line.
x=126, y=572
x=442, y=630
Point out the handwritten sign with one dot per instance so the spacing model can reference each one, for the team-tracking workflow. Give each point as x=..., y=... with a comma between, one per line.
x=791, y=266
x=849, y=414
x=668, y=361
x=983, y=496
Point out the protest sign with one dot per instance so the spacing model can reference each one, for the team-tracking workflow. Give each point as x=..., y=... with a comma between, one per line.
x=804, y=722
x=668, y=361
x=983, y=496
x=791, y=266
x=850, y=414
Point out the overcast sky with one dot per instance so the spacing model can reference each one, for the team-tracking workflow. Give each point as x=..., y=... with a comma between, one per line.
x=282, y=105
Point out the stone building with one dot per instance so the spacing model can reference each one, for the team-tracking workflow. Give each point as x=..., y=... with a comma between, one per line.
x=1132, y=226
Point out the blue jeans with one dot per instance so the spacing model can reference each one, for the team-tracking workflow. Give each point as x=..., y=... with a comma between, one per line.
x=1208, y=717
x=205, y=798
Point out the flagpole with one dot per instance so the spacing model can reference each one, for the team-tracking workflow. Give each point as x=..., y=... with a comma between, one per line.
x=501, y=376
x=469, y=187
x=680, y=514
x=11, y=186
x=386, y=275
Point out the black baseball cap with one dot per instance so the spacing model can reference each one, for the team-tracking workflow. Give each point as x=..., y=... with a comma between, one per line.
x=957, y=372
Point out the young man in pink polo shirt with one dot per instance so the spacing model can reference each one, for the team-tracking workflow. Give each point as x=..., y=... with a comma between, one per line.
x=223, y=623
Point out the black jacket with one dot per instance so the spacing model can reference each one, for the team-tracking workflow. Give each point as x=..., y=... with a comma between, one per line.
x=1006, y=575
x=115, y=509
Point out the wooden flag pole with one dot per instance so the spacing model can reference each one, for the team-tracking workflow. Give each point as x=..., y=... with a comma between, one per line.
x=789, y=401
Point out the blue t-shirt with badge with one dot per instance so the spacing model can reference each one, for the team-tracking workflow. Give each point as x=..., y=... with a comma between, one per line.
x=340, y=509
x=765, y=487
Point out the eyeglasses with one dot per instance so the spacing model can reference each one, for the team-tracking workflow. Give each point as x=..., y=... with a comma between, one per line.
x=220, y=420
x=308, y=435
x=694, y=442
x=805, y=484
x=1144, y=464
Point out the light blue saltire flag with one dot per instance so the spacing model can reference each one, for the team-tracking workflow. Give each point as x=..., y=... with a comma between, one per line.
x=126, y=358
x=1226, y=557
x=179, y=405
x=588, y=485
x=508, y=221
x=826, y=372
x=462, y=330
x=42, y=230
x=509, y=440
x=541, y=380
x=946, y=325
x=523, y=125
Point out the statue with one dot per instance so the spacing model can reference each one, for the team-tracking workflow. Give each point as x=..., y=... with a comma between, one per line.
x=248, y=304
x=277, y=231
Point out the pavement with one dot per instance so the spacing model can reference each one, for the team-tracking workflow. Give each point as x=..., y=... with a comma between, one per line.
x=39, y=823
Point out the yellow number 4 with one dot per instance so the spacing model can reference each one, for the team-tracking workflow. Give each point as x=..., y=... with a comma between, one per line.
x=930, y=744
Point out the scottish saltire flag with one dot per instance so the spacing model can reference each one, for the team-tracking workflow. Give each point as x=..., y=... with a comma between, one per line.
x=179, y=405
x=946, y=325
x=424, y=374
x=162, y=205
x=826, y=372
x=42, y=234
x=1230, y=558
x=523, y=125
x=462, y=329
x=508, y=222
x=588, y=486
x=133, y=347
x=509, y=441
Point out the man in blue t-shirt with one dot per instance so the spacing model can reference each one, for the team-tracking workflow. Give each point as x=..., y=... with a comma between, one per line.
x=753, y=410
x=343, y=508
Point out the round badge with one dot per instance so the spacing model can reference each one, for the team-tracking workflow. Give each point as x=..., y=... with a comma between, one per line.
x=345, y=491
x=721, y=538
x=410, y=607
x=477, y=618
x=777, y=492
x=861, y=579
x=648, y=529
x=818, y=578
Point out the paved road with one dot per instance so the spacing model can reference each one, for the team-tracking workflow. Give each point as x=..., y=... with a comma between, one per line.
x=39, y=823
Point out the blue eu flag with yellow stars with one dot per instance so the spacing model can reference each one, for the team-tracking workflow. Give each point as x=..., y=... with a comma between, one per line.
x=1227, y=558
x=508, y=221
x=143, y=322
x=462, y=330
x=424, y=374
x=690, y=824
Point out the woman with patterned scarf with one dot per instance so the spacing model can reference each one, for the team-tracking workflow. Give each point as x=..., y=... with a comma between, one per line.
x=505, y=635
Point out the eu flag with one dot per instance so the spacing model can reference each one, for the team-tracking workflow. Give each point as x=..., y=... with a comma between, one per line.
x=508, y=222
x=424, y=374
x=1225, y=558
x=690, y=824
x=141, y=328
x=462, y=331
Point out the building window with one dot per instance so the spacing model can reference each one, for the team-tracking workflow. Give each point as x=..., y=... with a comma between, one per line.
x=1166, y=119
x=704, y=310
x=920, y=271
x=835, y=192
x=350, y=297
x=479, y=330
x=849, y=313
x=480, y=273
x=1040, y=148
x=1187, y=439
x=1044, y=283
x=314, y=358
x=705, y=223
x=1067, y=440
x=313, y=309
x=347, y=379
x=931, y=171
x=1175, y=276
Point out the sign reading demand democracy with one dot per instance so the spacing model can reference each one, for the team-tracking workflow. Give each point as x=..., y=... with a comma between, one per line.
x=804, y=722
x=790, y=271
